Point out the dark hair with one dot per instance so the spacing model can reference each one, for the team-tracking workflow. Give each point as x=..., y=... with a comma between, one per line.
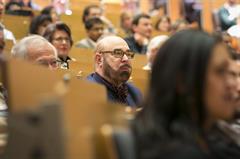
x=176, y=89
x=87, y=10
x=52, y=28
x=160, y=20
x=137, y=18
x=37, y=21
x=47, y=10
x=13, y=3
x=91, y=22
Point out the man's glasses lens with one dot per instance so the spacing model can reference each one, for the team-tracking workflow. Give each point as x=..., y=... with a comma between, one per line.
x=120, y=53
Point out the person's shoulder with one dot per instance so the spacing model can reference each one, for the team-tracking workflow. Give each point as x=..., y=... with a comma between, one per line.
x=91, y=77
x=132, y=87
x=129, y=38
x=189, y=151
x=176, y=151
x=81, y=43
x=135, y=92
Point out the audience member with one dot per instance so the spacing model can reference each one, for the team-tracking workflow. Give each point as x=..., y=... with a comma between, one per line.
x=113, y=69
x=178, y=25
x=8, y=35
x=95, y=11
x=142, y=30
x=94, y=28
x=17, y=8
x=37, y=49
x=59, y=34
x=163, y=24
x=39, y=23
x=126, y=23
x=153, y=48
x=51, y=11
x=189, y=93
x=228, y=14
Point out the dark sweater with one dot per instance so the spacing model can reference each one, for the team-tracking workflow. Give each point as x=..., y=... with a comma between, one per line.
x=127, y=94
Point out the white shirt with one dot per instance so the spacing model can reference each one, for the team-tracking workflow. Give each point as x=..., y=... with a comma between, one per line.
x=8, y=35
x=234, y=31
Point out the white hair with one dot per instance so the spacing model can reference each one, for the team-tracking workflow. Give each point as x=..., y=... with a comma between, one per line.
x=20, y=50
x=156, y=42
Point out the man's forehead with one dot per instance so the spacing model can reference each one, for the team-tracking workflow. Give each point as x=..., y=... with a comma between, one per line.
x=116, y=45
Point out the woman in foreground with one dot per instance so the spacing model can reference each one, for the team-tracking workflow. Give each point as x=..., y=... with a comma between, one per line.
x=189, y=93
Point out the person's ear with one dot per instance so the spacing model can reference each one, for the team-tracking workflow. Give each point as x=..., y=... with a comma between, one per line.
x=98, y=59
x=134, y=28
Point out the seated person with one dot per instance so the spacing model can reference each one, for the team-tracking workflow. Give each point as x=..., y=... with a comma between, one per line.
x=228, y=14
x=39, y=23
x=37, y=49
x=189, y=93
x=8, y=35
x=51, y=11
x=126, y=23
x=95, y=11
x=113, y=69
x=59, y=34
x=94, y=28
x=153, y=48
x=178, y=25
x=163, y=25
x=142, y=30
x=17, y=8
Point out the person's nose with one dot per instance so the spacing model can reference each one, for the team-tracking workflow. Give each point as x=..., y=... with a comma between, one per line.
x=125, y=58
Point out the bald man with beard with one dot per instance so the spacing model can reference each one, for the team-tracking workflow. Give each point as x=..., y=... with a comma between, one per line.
x=113, y=69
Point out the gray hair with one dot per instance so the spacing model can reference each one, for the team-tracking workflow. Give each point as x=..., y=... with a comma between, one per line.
x=156, y=42
x=20, y=50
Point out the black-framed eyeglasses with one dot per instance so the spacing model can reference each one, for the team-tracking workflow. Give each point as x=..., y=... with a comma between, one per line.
x=119, y=53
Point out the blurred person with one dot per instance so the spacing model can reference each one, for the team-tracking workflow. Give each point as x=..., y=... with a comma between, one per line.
x=126, y=23
x=12, y=6
x=142, y=31
x=180, y=24
x=228, y=14
x=94, y=28
x=59, y=34
x=189, y=93
x=95, y=11
x=39, y=23
x=163, y=24
x=152, y=49
x=51, y=11
x=8, y=35
x=113, y=68
x=37, y=49
x=17, y=8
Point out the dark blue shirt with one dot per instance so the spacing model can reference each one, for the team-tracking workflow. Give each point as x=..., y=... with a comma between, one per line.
x=126, y=94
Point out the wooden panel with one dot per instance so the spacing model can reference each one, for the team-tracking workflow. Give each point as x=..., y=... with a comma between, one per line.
x=19, y=25
x=174, y=9
x=28, y=84
x=207, y=16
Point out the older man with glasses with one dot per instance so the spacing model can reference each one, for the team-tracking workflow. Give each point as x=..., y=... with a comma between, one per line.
x=113, y=69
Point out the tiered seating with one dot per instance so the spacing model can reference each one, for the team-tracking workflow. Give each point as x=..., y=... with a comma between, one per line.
x=17, y=24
